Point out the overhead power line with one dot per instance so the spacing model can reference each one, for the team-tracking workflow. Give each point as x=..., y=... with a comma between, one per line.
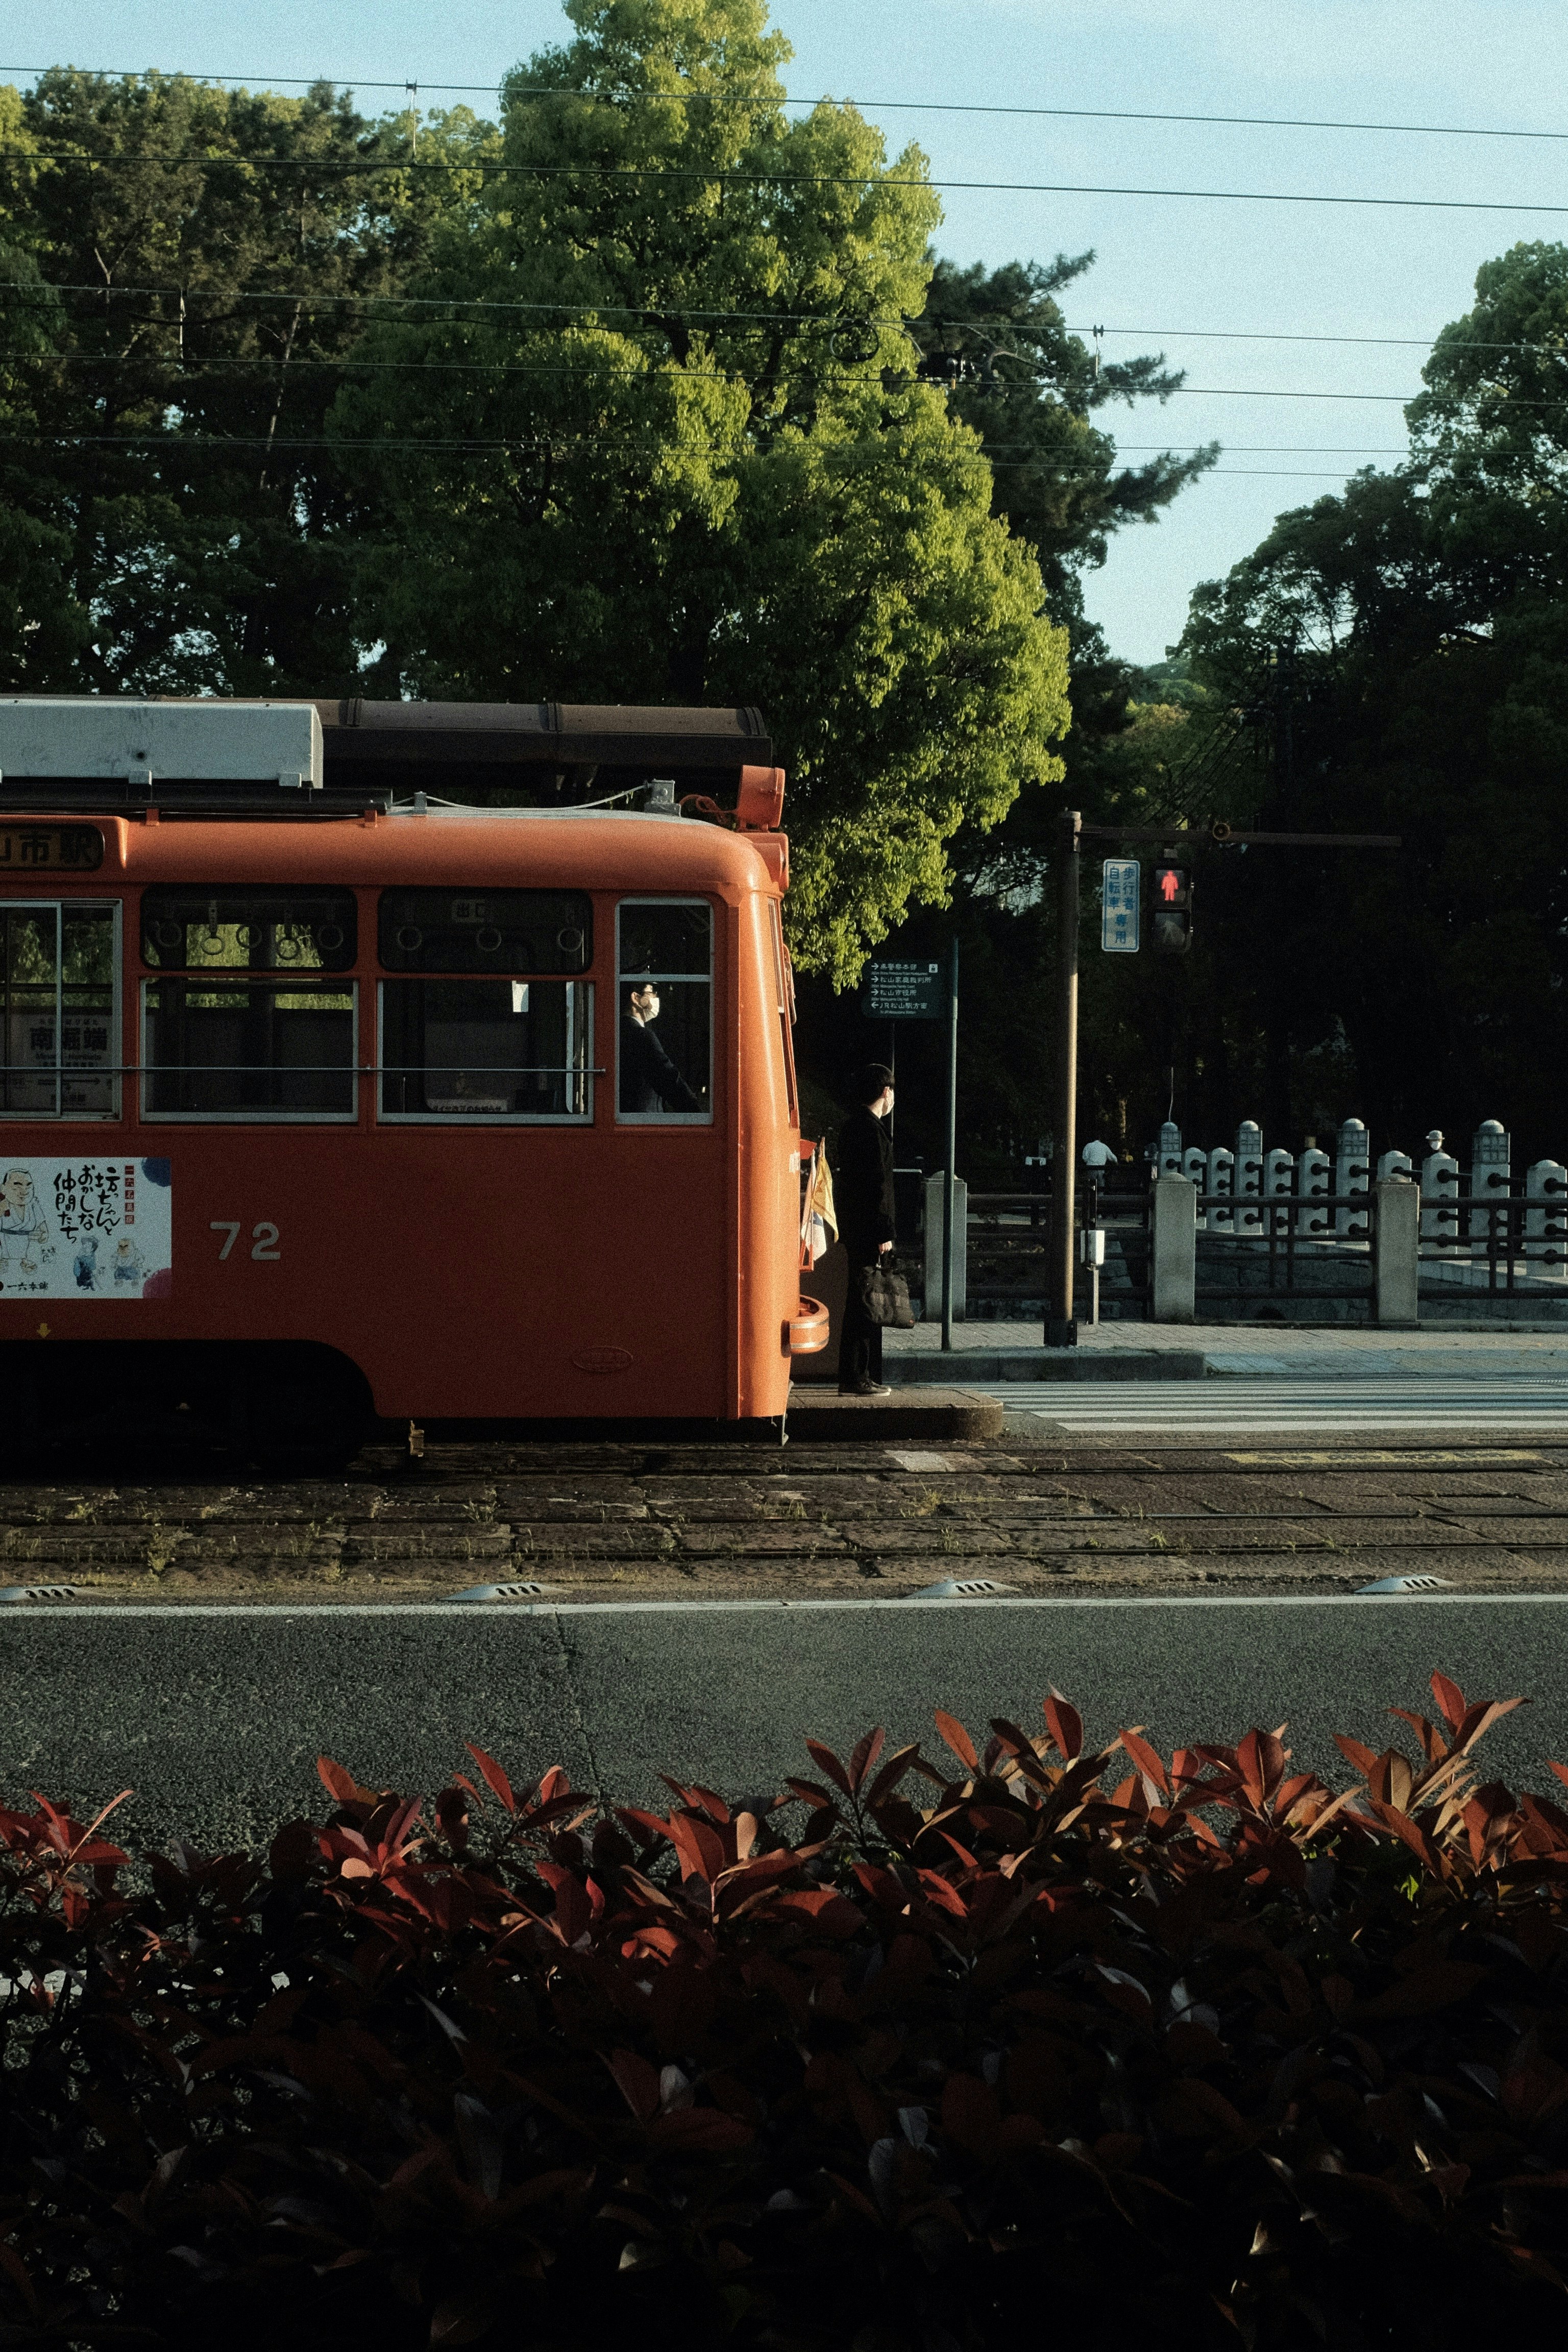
x=322, y=166
x=873, y=105
x=653, y=313
x=662, y=374
x=521, y=446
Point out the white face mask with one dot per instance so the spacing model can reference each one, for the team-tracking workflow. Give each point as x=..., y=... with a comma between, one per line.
x=646, y=1008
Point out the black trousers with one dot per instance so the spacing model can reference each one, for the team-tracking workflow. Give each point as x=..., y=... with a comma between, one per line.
x=860, y=1340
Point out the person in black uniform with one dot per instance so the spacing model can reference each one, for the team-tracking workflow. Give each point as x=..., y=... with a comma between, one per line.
x=863, y=1196
x=648, y=1078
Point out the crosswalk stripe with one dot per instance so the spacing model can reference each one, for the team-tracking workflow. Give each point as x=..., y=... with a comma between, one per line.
x=1288, y=1404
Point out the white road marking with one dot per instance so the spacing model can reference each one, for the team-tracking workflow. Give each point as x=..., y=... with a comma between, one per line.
x=1099, y=1405
x=476, y=1609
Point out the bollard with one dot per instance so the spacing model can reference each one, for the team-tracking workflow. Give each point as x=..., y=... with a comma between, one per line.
x=1174, y=1216
x=1545, y=1221
x=1352, y=1173
x=931, y=1310
x=1313, y=1179
x=1221, y=1179
x=1248, y=1175
x=1440, y=1191
x=1397, y=1254
x=1492, y=1148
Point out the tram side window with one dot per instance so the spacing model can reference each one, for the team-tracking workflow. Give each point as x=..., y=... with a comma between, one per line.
x=502, y=1050
x=497, y=931
x=60, y=969
x=248, y=928
x=783, y=980
x=664, y=997
x=243, y=1023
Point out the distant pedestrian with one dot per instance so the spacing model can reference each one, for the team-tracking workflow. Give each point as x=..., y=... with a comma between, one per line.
x=863, y=1190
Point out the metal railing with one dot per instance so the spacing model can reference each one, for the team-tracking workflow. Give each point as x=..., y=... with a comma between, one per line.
x=1286, y=1246
x=1502, y=1243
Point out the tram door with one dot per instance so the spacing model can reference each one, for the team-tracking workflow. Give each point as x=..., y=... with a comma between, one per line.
x=671, y=1231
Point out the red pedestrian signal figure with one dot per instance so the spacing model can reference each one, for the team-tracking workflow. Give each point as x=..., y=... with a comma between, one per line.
x=1172, y=909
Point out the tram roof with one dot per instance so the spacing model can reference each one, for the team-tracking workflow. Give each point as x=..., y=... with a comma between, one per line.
x=220, y=752
x=542, y=734
x=580, y=849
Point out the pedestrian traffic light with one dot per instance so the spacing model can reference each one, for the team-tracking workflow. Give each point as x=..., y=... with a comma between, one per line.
x=1172, y=909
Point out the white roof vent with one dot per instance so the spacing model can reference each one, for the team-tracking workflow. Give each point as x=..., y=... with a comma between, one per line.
x=136, y=749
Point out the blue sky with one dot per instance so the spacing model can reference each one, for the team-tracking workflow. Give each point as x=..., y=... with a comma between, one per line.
x=1186, y=274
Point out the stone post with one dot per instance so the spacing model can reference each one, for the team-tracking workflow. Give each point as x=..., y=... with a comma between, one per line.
x=1398, y=1255
x=1248, y=1175
x=930, y=1311
x=1440, y=1191
x=1545, y=1221
x=1175, y=1217
x=1221, y=1179
x=1352, y=1173
x=1313, y=1179
x=1168, y=1153
x=1492, y=1148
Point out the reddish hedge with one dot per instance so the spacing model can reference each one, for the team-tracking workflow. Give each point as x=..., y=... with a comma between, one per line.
x=1213, y=2056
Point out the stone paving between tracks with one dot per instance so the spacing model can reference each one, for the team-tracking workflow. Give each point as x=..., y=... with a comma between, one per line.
x=632, y=1519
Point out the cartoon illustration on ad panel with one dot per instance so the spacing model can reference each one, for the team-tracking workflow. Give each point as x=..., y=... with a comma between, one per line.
x=86, y=1229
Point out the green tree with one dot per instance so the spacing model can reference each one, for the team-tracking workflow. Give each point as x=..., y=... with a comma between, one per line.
x=209, y=256
x=701, y=465
x=1031, y=390
x=1409, y=641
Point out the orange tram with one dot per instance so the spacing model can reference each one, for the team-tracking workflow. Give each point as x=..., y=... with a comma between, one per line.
x=419, y=1061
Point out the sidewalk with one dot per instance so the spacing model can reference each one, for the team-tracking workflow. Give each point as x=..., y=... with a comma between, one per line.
x=1279, y=1352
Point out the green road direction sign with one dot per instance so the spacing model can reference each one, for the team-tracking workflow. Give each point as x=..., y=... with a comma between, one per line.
x=904, y=991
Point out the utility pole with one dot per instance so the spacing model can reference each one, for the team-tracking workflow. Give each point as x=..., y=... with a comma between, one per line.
x=947, y=1195
x=1061, y=1331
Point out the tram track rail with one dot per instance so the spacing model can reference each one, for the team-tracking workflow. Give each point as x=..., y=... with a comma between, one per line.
x=630, y=1519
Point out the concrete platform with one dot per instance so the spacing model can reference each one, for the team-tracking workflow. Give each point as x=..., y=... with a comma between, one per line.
x=994, y=1364
x=820, y=1411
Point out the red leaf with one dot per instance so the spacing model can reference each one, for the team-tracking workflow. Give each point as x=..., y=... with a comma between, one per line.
x=1450, y=1700
x=637, y=2083
x=867, y=1751
x=494, y=1775
x=1065, y=1724
x=830, y=1765
x=891, y=1773
x=340, y=1784
x=1363, y=1759
x=1147, y=1763
x=958, y=1739
x=1561, y=1770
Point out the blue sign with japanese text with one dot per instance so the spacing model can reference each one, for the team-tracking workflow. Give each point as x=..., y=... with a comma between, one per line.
x=1118, y=906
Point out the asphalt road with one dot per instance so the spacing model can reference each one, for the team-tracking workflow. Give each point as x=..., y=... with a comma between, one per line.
x=215, y=1715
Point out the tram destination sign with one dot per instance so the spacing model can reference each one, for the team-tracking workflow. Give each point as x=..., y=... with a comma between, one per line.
x=49, y=848
x=903, y=992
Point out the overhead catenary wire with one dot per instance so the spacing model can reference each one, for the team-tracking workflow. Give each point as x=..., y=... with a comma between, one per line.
x=529, y=445
x=875, y=105
x=651, y=312
x=663, y=373
x=712, y=174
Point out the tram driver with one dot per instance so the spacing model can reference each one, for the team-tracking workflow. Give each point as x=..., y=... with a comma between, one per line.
x=648, y=1078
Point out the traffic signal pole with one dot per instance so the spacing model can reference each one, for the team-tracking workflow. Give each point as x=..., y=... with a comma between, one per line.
x=1061, y=1331
x=949, y=1196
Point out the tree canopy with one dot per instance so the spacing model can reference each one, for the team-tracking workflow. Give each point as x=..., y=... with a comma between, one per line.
x=644, y=392
x=1406, y=644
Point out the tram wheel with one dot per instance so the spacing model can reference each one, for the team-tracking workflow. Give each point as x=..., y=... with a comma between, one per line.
x=301, y=1411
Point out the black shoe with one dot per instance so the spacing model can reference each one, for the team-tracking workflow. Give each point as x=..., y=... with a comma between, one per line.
x=866, y=1387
